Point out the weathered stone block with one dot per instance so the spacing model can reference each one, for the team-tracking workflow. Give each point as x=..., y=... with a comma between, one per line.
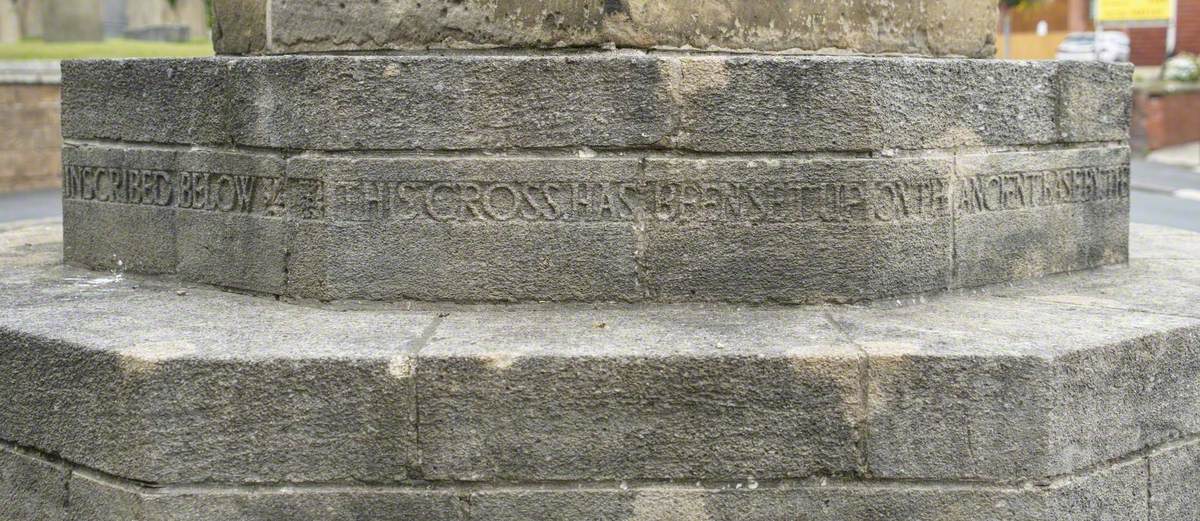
x=942, y=27
x=213, y=217
x=656, y=395
x=117, y=209
x=239, y=26
x=1094, y=101
x=147, y=101
x=622, y=227
x=1174, y=475
x=986, y=399
x=763, y=103
x=230, y=220
x=31, y=489
x=1042, y=401
x=685, y=229
x=771, y=230
x=1116, y=492
x=716, y=103
x=1027, y=214
x=507, y=228
x=161, y=395
x=449, y=102
x=1125, y=396
x=97, y=500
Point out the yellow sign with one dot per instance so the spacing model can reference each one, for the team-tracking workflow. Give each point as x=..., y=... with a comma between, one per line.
x=1133, y=10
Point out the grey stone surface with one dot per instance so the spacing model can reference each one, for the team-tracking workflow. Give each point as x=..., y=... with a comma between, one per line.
x=1174, y=475
x=31, y=488
x=95, y=500
x=171, y=392
x=370, y=206
x=603, y=176
x=102, y=500
x=941, y=27
x=670, y=394
x=72, y=20
x=139, y=235
x=756, y=103
x=508, y=229
x=1118, y=492
x=1094, y=103
x=1073, y=398
x=1113, y=494
x=154, y=412
x=452, y=102
x=611, y=227
x=148, y=101
x=233, y=232
x=959, y=389
x=1035, y=380
x=718, y=103
x=783, y=230
x=1026, y=214
x=239, y=26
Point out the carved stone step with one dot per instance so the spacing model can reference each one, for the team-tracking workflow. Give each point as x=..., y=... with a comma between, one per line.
x=138, y=398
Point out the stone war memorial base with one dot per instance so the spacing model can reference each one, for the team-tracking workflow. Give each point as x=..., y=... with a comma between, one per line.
x=130, y=398
x=595, y=176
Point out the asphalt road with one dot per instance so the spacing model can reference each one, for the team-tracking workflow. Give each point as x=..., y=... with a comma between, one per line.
x=1165, y=194
x=38, y=204
x=1162, y=194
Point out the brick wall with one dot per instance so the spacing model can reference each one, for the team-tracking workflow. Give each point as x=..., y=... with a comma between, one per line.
x=1148, y=45
x=30, y=132
x=1162, y=120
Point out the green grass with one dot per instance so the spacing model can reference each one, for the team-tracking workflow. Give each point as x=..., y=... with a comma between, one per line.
x=39, y=50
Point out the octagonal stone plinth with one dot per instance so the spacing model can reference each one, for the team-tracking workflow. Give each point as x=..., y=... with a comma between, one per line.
x=145, y=399
x=928, y=27
x=595, y=177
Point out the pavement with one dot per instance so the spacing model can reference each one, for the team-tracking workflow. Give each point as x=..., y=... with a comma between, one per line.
x=37, y=204
x=1185, y=155
x=1163, y=194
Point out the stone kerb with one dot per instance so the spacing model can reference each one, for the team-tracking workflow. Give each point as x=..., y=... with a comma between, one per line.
x=596, y=177
x=924, y=27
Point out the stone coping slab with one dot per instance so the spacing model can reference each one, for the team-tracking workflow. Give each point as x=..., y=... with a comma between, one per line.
x=35, y=72
x=154, y=380
x=623, y=100
x=932, y=27
x=595, y=177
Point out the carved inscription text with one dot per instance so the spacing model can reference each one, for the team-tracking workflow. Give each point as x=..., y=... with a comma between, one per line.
x=704, y=201
x=680, y=202
x=216, y=192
